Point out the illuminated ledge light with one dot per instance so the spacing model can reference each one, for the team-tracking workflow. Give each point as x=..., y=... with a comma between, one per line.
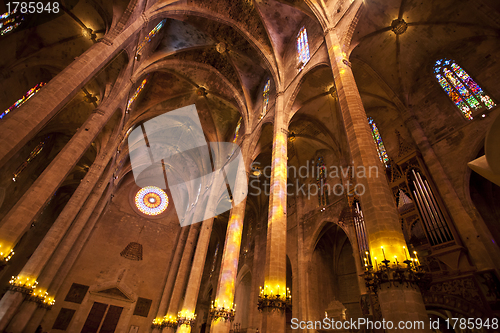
x=5, y=256
x=167, y=321
x=22, y=285
x=395, y=273
x=42, y=299
x=222, y=313
x=186, y=318
x=270, y=301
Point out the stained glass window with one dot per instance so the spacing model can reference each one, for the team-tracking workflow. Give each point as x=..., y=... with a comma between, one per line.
x=237, y=131
x=461, y=88
x=303, y=48
x=9, y=22
x=151, y=200
x=23, y=99
x=321, y=182
x=150, y=36
x=265, y=94
x=136, y=94
x=214, y=260
x=382, y=153
x=34, y=153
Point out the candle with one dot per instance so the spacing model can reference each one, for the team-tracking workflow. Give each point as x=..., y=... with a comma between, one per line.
x=376, y=268
x=404, y=250
x=383, y=252
x=416, y=257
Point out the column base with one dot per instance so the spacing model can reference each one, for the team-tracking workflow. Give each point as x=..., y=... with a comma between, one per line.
x=220, y=326
x=402, y=304
x=273, y=321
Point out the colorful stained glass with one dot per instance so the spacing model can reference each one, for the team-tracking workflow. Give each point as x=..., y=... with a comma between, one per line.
x=461, y=88
x=23, y=99
x=303, y=48
x=382, y=153
x=321, y=182
x=151, y=200
x=473, y=86
x=136, y=94
x=237, y=131
x=265, y=94
x=214, y=260
x=9, y=22
x=150, y=36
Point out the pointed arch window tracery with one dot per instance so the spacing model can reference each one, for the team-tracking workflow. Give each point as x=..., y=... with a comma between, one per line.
x=303, y=48
x=265, y=94
x=382, y=152
x=464, y=92
x=10, y=21
x=23, y=99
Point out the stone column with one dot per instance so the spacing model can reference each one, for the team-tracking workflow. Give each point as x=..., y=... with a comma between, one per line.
x=229, y=267
x=182, y=274
x=381, y=218
x=44, y=251
x=275, y=271
x=231, y=254
x=172, y=273
x=193, y=287
x=19, y=218
x=20, y=126
x=66, y=254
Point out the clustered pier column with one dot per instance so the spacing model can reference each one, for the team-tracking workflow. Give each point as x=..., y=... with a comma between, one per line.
x=385, y=236
x=275, y=270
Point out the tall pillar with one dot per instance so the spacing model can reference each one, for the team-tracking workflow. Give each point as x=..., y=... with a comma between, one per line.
x=275, y=271
x=229, y=267
x=20, y=126
x=229, y=264
x=381, y=218
x=193, y=287
x=182, y=274
x=48, y=245
x=172, y=273
x=59, y=266
x=19, y=218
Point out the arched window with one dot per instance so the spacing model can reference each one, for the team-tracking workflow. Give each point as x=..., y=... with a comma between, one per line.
x=237, y=131
x=214, y=260
x=265, y=94
x=23, y=99
x=382, y=153
x=461, y=88
x=321, y=182
x=136, y=94
x=150, y=36
x=9, y=22
x=303, y=48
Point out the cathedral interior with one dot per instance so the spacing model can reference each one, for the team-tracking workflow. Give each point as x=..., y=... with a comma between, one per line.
x=367, y=134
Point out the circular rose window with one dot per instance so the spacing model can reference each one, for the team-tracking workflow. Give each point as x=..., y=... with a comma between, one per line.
x=151, y=200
